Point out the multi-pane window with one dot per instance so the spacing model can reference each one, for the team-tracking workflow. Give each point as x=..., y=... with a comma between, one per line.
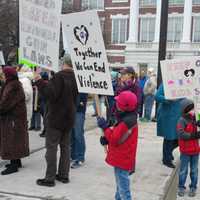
x=119, y=30
x=175, y=29
x=196, y=29
x=196, y=2
x=176, y=2
x=147, y=2
x=147, y=29
x=93, y=4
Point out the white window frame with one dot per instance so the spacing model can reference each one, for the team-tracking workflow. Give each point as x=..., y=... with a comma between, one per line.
x=175, y=15
x=193, y=29
x=148, y=15
x=119, y=16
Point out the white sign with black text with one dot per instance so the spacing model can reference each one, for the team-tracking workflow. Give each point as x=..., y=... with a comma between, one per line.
x=83, y=34
x=40, y=32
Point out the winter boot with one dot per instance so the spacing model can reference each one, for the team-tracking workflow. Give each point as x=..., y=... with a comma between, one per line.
x=45, y=182
x=61, y=179
x=16, y=162
x=10, y=170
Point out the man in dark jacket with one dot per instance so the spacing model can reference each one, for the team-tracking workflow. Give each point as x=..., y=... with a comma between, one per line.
x=60, y=93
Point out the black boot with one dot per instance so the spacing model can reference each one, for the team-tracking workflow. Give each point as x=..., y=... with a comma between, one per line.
x=10, y=170
x=169, y=164
x=16, y=162
x=62, y=179
x=45, y=182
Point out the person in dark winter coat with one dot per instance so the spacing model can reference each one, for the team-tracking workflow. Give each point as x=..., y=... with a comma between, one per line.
x=121, y=140
x=61, y=93
x=14, y=143
x=188, y=146
x=168, y=114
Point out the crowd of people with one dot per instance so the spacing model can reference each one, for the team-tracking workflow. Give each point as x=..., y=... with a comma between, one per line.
x=27, y=95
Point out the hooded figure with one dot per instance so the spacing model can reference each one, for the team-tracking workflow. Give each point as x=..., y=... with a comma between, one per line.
x=14, y=143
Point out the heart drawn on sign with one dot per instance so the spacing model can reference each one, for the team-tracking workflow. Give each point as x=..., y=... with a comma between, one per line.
x=81, y=34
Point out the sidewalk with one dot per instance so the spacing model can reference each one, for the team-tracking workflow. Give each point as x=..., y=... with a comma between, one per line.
x=95, y=180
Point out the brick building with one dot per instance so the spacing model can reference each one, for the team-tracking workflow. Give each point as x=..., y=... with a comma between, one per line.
x=131, y=29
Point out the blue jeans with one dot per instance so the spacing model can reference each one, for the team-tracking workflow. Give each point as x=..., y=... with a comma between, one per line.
x=148, y=105
x=36, y=120
x=78, y=139
x=186, y=160
x=168, y=147
x=123, y=184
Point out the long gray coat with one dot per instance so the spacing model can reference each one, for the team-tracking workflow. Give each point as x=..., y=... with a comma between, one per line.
x=14, y=143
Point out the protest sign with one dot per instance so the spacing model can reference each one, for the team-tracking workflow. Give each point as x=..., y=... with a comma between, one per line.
x=2, y=61
x=180, y=77
x=85, y=43
x=39, y=32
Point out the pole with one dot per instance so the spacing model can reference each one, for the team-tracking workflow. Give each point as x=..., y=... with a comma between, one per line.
x=17, y=32
x=162, y=42
x=163, y=38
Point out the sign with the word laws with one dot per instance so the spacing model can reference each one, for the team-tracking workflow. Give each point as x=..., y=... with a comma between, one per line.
x=86, y=47
x=40, y=32
x=180, y=77
x=2, y=61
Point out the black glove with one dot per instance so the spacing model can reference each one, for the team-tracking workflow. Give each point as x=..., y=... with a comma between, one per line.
x=103, y=140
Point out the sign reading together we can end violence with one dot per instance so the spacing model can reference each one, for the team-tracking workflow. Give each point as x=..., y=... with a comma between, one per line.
x=83, y=35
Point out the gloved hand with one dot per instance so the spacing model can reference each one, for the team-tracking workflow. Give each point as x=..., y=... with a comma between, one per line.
x=103, y=140
x=102, y=123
